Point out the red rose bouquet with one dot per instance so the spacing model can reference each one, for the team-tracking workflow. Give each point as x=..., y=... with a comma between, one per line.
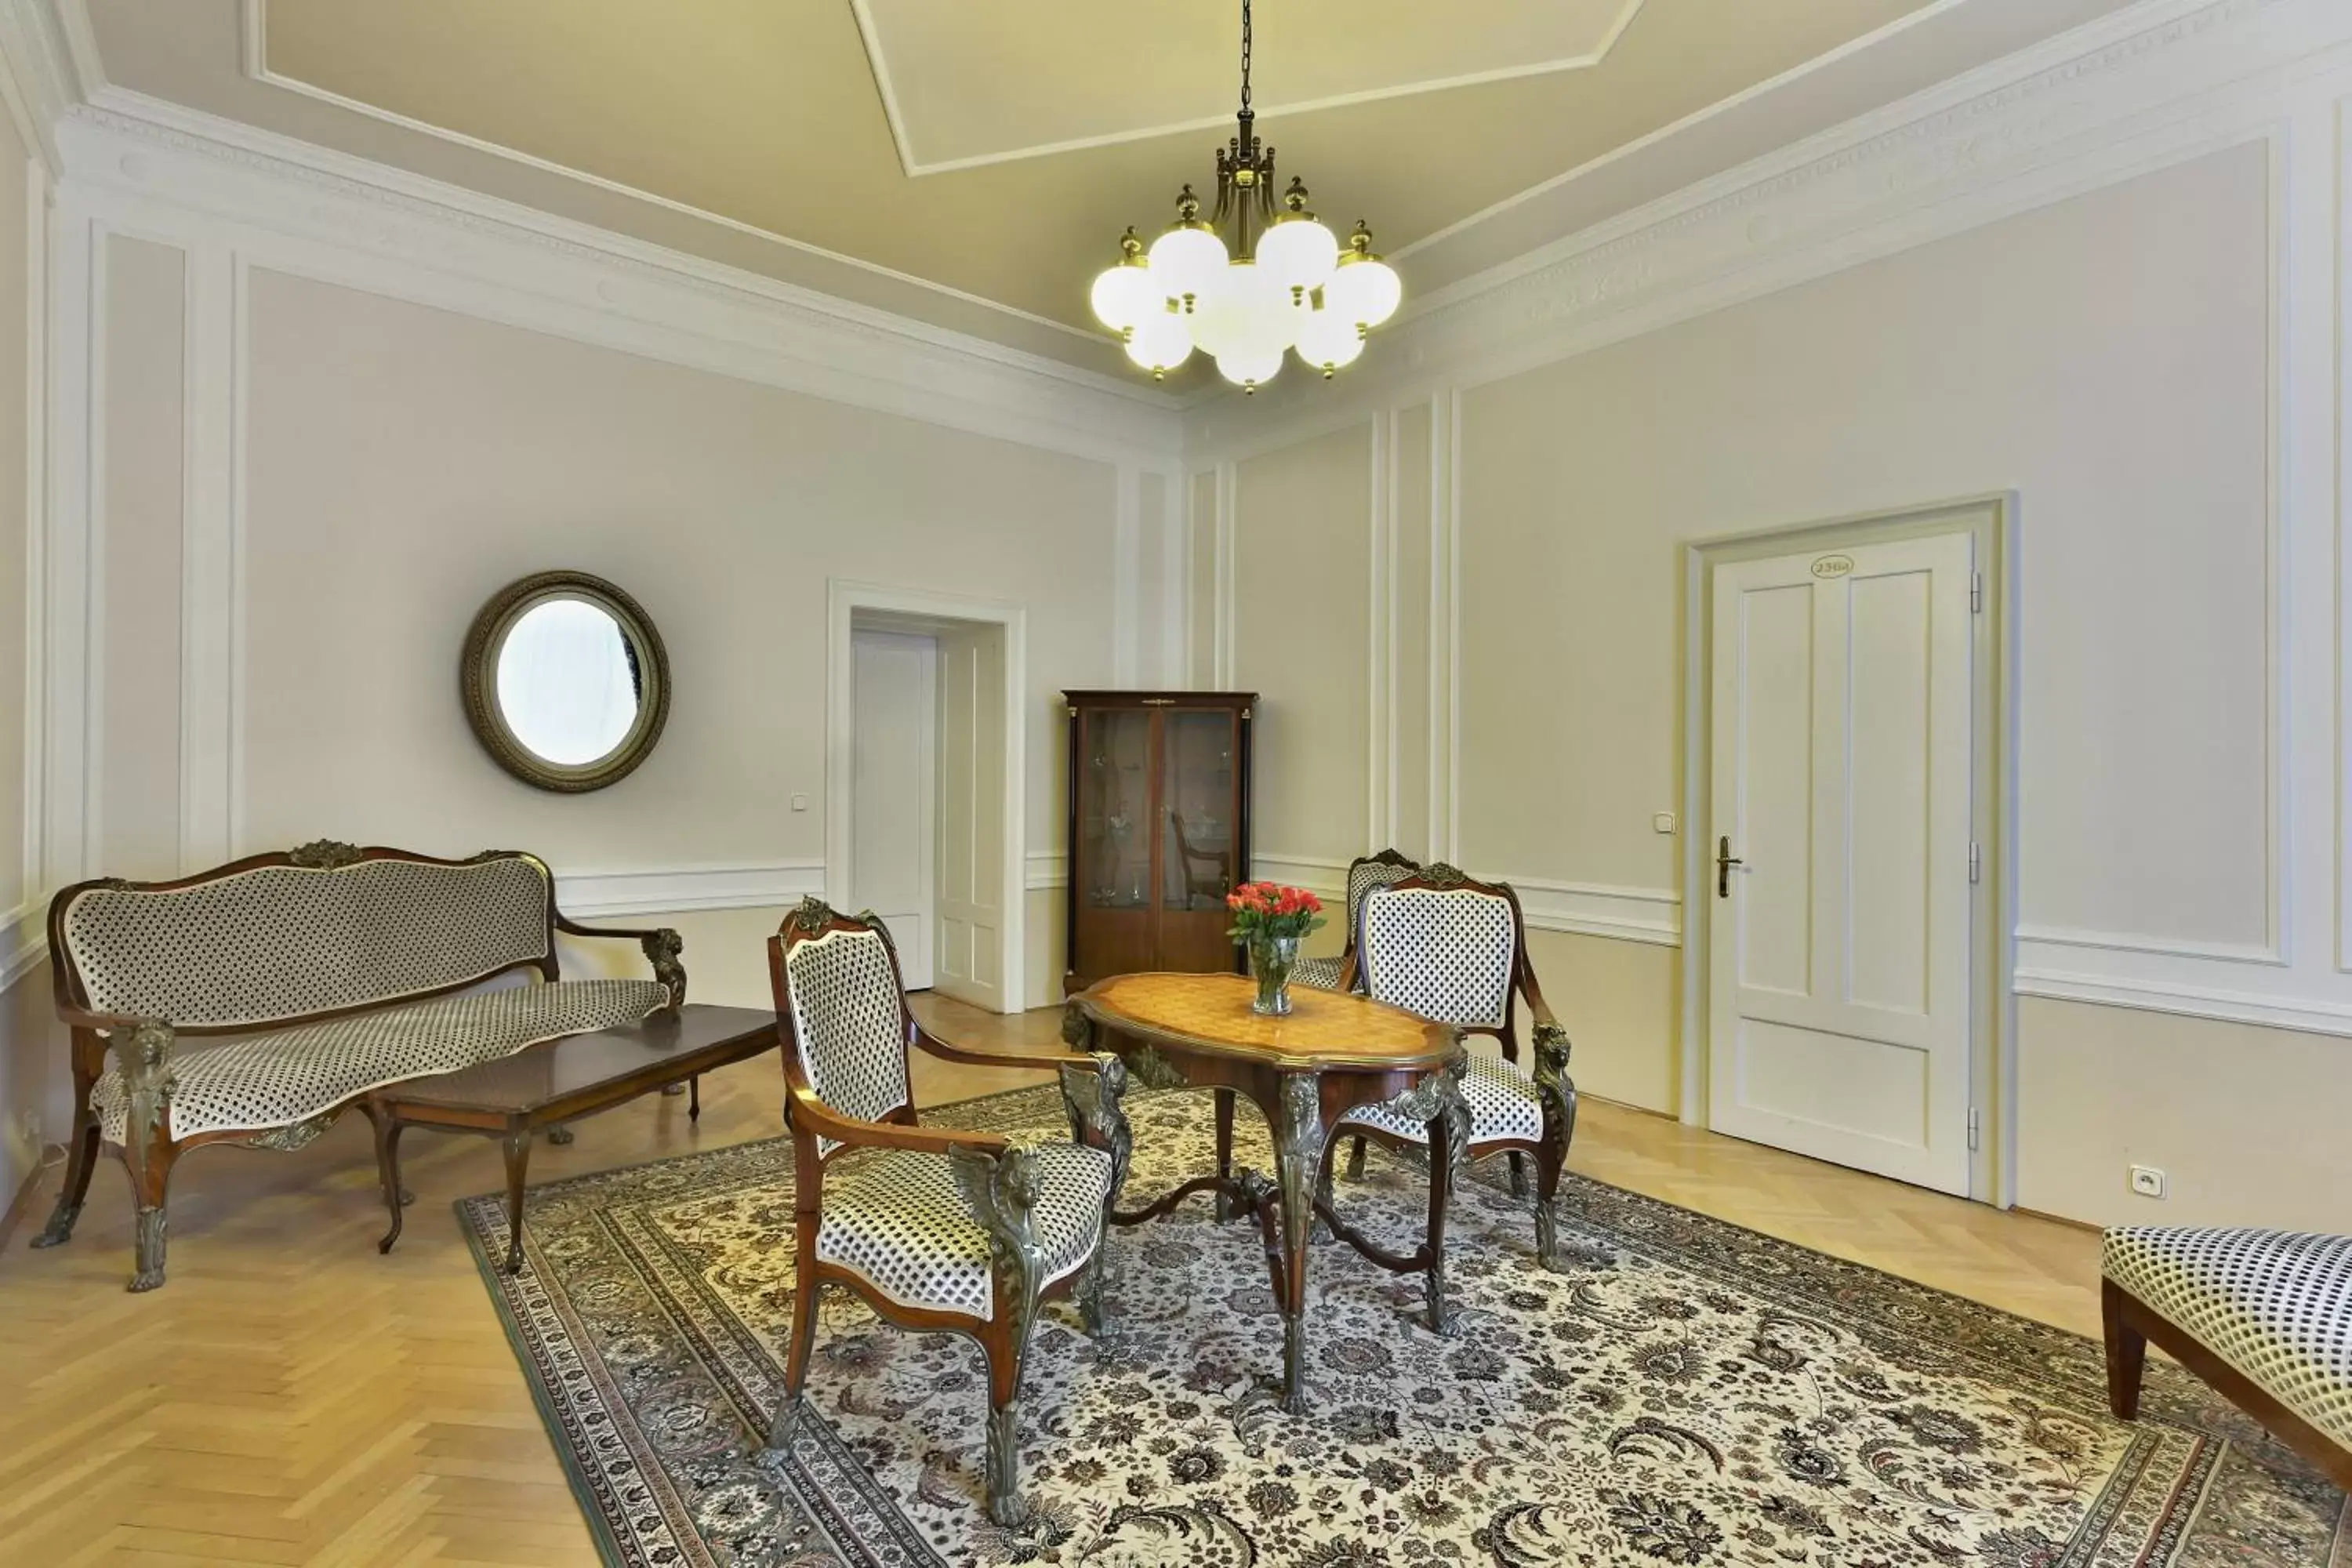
x=1265, y=911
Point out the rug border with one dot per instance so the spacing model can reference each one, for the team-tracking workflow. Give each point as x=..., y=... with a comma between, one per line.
x=600, y=1528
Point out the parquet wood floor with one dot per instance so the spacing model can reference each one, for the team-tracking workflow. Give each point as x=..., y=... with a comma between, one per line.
x=292, y=1398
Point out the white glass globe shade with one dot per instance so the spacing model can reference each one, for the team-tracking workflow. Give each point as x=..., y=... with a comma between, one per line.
x=1124, y=295
x=1187, y=261
x=1250, y=369
x=1247, y=312
x=1159, y=343
x=1298, y=253
x=1364, y=290
x=1329, y=342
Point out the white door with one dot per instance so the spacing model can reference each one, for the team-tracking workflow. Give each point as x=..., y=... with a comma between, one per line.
x=1839, y=942
x=893, y=779
x=971, y=819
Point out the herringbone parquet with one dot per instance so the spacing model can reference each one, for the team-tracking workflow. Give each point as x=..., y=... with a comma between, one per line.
x=292, y=1398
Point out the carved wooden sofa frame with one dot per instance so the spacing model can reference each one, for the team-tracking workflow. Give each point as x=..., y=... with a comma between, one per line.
x=122, y=996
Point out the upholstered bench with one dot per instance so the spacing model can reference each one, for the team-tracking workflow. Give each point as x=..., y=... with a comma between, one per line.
x=313, y=978
x=2264, y=1316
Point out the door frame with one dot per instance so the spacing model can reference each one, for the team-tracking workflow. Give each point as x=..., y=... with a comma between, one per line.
x=928, y=786
x=1992, y=519
x=844, y=599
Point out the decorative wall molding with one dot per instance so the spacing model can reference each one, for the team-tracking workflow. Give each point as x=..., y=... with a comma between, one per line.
x=2310, y=1014
x=291, y=207
x=1048, y=868
x=23, y=941
x=1325, y=879
x=2132, y=92
x=686, y=889
x=1650, y=915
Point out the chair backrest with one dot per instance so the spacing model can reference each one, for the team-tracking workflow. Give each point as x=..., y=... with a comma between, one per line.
x=279, y=938
x=1365, y=872
x=1443, y=946
x=845, y=1011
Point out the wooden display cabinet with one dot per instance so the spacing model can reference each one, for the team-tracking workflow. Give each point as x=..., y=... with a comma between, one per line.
x=1159, y=830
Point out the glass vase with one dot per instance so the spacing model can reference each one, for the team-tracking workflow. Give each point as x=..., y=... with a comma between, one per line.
x=1271, y=960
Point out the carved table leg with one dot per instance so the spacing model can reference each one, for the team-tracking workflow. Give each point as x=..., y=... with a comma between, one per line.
x=1449, y=1147
x=387, y=1164
x=1224, y=1152
x=1298, y=1136
x=518, y=1148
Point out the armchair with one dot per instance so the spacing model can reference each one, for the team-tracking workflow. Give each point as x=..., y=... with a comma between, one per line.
x=1448, y=948
x=939, y=1230
x=1365, y=872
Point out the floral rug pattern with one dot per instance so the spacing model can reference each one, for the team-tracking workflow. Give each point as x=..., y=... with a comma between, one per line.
x=1690, y=1394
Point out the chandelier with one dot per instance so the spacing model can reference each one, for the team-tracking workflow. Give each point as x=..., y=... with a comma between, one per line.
x=1286, y=284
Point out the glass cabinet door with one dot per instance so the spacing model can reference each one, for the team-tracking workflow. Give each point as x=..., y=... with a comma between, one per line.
x=1114, y=848
x=1199, y=836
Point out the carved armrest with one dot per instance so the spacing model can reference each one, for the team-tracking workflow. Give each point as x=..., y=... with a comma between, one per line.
x=808, y=1114
x=661, y=944
x=1038, y=1061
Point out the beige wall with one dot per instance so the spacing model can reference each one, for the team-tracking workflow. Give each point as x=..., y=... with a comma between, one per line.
x=404, y=463
x=1301, y=612
x=2108, y=359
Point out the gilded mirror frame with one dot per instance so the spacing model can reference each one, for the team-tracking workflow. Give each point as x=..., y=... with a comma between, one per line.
x=477, y=678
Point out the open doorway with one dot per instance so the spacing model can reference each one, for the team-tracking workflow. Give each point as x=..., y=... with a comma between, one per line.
x=925, y=773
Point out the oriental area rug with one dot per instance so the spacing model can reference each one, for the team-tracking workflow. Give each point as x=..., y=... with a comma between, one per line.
x=1690, y=1393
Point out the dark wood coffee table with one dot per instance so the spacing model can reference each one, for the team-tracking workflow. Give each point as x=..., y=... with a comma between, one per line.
x=558, y=1081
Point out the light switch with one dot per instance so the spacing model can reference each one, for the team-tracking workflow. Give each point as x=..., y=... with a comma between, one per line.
x=800, y=803
x=1663, y=822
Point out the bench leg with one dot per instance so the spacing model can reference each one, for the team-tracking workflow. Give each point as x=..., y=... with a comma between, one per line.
x=80, y=1161
x=387, y=1163
x=2126, y=1351
x=518, y=1147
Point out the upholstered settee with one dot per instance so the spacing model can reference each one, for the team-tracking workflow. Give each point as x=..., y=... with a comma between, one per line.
x=2264, y=1316
x=254, y=1003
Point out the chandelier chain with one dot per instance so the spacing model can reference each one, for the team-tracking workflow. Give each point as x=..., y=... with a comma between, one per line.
x=1245, y=56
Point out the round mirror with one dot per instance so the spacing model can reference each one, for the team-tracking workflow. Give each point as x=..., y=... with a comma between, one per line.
x=565, y=681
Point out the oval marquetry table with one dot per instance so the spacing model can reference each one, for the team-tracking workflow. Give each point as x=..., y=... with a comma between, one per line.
x=1329, y=1056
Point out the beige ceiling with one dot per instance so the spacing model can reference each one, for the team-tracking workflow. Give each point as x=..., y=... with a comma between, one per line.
x=761, y=133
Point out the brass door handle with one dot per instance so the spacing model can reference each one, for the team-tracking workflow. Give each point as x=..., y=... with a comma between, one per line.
x=1724, y=861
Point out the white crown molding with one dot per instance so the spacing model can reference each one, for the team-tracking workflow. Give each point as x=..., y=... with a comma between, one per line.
x=253, y=27
x=2144, y=87
x=686, y=890
x=291, y=207
x=869, y=34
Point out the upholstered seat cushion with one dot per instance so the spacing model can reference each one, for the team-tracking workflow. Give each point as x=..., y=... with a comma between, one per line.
x=260, y=1082
x=898, y=1221
x=1503, y=1105
x=1323, y=973
x=2275, y=1304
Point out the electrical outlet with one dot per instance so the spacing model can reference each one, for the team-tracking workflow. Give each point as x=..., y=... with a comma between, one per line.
x=2148, y=1181
x=1663, y=822
x=800, y=803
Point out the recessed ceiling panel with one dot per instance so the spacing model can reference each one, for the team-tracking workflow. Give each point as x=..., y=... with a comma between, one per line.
x=969, y=83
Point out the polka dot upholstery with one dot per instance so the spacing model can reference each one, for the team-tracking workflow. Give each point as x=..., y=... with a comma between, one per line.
x=849, y=1023
x=1503, y=1105
x=292, y=1075
x=1447, y=953
x=2275, y=1304
x=1365, y=874
x=280, y=942
x=1323, y=973
x=899, y=1222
